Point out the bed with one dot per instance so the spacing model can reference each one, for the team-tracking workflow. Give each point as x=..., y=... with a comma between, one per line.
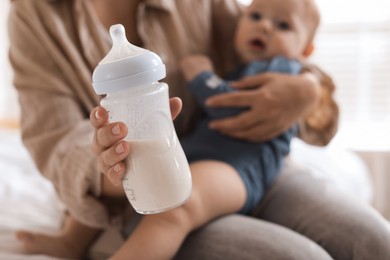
x=28, y=201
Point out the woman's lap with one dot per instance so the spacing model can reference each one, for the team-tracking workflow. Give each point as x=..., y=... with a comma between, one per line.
x=343, y=226
x=241, y=237
x=297, y=210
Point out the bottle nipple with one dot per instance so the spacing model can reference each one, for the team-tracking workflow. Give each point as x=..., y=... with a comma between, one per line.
x=117, y=33
x=121, y=48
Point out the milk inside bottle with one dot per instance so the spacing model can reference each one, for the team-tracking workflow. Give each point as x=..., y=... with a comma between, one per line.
x=158, y=176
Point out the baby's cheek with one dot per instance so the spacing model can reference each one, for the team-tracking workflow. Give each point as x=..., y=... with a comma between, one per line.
x=289, y=50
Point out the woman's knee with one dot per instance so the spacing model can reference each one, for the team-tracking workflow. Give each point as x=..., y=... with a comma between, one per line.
x=373, y=243
x=371, y=240
x=240, y=237
x=360, y=235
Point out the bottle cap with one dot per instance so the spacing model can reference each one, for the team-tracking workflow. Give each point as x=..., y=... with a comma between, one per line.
x=126, y=65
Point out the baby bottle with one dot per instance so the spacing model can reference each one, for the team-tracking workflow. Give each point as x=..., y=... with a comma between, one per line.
x=158, y=176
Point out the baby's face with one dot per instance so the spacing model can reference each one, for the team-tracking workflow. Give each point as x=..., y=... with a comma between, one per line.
x=272, y=27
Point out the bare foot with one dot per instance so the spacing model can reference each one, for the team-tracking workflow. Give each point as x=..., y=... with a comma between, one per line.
x=57, y=246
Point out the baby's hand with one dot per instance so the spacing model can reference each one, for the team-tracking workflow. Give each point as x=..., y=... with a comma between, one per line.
x=193, y=65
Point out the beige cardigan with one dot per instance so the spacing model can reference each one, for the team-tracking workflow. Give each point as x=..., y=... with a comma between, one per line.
x=56, y=44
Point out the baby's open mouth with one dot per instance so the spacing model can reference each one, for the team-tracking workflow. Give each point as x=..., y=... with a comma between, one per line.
x=257, y=44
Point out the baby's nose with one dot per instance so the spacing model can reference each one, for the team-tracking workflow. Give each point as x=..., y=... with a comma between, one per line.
x=264, y=25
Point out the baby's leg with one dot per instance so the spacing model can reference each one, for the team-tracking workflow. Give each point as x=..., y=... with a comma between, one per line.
x=73, y=242
x=217, y=190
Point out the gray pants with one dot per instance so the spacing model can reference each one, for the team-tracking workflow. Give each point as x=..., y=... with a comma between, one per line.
x=300, y=218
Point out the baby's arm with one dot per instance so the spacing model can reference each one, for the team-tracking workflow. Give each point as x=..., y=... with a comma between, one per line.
x=204, y=83
x=194, y=65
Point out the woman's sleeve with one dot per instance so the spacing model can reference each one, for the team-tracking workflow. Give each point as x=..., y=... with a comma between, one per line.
x=320, y=126
x=224, y=19
x=54, y=124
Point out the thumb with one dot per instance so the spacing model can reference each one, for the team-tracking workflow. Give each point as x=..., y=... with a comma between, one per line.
x=23, y=236
x=175, y=105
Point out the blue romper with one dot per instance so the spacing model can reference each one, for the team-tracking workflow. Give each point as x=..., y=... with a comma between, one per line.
x=258, y=164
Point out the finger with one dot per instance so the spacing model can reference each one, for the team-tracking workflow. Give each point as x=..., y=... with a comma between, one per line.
x=23, y=235
x=242, y=121
x=116, y=173
x=235, y=99
x=238, y=134
x=114, y=154
x=98, y=117
x=252, y=81
x=258, y=133
x=252, y=134
x=109, y=134
x=175, y=105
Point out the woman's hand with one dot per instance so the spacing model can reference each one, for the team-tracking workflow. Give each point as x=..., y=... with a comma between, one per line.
x=110, y=148
x=275, y=101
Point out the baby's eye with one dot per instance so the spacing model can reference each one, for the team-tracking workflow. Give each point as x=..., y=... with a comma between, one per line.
x=284, y=25
x=255, y=16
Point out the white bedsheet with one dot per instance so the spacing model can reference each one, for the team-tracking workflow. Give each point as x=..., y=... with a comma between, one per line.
x=28, y=201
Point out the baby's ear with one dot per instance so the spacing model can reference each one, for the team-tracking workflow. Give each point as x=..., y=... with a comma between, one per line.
x=309, y=50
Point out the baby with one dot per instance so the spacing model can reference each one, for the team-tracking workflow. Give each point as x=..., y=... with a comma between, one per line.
x=272, y=36
x=229, y=175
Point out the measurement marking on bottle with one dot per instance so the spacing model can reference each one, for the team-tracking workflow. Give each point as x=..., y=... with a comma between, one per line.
x=109, y=115
x=130, y=194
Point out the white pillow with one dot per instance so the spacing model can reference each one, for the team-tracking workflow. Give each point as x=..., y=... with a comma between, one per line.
x=337, y=165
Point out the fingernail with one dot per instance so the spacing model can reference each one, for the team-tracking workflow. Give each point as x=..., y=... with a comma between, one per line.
x=97, y=114
x=119, y=149
x=116, y=130
x=112, y=176
x=117, y=168
x=211, y=125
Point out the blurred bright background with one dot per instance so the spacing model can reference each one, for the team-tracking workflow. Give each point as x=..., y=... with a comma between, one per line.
x=9, y=110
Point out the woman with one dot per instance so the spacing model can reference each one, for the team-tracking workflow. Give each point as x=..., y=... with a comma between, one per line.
x=55, y=45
